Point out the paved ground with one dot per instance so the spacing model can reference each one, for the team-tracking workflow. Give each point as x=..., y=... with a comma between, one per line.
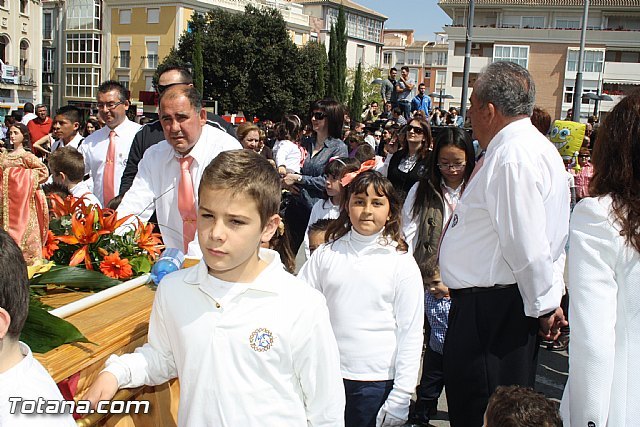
x=552, y=374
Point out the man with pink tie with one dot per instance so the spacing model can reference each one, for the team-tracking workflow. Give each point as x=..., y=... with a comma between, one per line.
x=107, y=149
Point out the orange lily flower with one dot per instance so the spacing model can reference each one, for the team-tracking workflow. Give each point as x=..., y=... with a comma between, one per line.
x=115, y=267
x=109, y=221
x=83, y=234
x=148, y=240
x=63, y=207
x=50, y=246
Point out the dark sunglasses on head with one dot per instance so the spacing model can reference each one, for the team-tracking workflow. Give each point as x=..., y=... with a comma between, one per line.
x=416, y=129
x=319, y=115
x=162, y=88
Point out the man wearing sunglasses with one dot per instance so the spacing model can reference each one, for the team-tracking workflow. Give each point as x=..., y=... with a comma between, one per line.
x=152, y=133
x=106, y=150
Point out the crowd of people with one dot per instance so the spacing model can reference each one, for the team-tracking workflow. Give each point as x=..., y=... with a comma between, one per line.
x=429, y=248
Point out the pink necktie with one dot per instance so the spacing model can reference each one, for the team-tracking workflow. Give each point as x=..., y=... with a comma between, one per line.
x=108, y=191
x=186, y=202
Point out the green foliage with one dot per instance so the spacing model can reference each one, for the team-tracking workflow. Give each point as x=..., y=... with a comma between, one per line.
x=252, y=64
x=75, y=278
x=314, y=58
x=198, y=76
x=337, y=85
x=355, y=103
x=43, y=331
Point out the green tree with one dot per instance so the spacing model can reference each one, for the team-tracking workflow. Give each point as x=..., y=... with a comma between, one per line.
x=370, y=91
x=355, y=103
x=198, y=73
x=337, y=86
x=314, y=58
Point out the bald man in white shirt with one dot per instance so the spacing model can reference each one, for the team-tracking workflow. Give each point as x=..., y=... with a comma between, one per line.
x=498, y=251
x=157, y=183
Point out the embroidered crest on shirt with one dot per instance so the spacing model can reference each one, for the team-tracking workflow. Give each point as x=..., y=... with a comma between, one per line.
x=454, y=220
x=261, y=339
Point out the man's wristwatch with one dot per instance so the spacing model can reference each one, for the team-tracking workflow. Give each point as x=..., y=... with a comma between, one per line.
x=299, y=178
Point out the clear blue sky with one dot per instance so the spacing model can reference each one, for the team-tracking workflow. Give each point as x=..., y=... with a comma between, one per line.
x=423, y=16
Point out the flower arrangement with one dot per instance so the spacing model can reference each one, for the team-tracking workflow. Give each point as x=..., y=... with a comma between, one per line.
x=85, y=236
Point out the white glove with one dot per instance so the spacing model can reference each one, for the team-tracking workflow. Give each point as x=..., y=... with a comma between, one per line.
x=385, y=419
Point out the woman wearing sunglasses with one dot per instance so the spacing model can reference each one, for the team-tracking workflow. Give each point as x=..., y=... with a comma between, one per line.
x=307, y=187
x=410, y=163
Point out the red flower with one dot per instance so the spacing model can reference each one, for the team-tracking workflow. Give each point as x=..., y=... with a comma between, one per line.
x=148, y=240
x=50, y=246
x=115, y=267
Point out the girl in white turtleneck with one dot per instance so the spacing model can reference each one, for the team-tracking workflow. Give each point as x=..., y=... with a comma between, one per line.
x=375, y=297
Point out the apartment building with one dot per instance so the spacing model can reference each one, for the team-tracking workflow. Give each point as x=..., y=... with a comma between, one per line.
x=364, y=28
x=20, y=54
x=544, y=36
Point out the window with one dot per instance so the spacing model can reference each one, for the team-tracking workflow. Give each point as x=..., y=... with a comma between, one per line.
x=357, y=26
x=517, y=54
x=441, y=58
x=568, y=24
x=297, y=39
x=124, y=81
x=3, y=4
x=441, y=78
x=414, y=58
x=313, y=37
x=568, y=95
x=48, y=57
x=533, y=22
x=83, y=49
x=152, y=54
x=82, y=82
x=24, y=56
x=83, y=15
x=24, y=6
x=427, y=74
x=125, y=54
x=593, y=60
x=47, y=26
x=359, y=54
x=153, y=15
x=148, y=84
x=386, y=58
x=4, y=42
x=125, y=16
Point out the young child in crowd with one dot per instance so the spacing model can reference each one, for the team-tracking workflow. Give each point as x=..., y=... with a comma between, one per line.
x=66, y=127
x=329, y=208
x=317, y=232
x=376, y=301
x=287, y=152
x=21, y=376
x=250, y=343
x=67, y=168
x=429, y=206
x=515, y=406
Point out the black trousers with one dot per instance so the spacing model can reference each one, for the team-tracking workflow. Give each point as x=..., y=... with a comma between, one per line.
x=490, y=342
x=296, y=217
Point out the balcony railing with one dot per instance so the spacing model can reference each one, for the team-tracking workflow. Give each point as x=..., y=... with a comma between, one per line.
x=18, y=75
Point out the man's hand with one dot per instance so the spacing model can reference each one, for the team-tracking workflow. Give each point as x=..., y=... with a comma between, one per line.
x=550, y=326
x=103, y=388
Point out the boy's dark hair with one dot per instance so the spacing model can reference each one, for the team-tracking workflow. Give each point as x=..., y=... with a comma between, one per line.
x=320, y=225
x=70, y=112
x=397, y=110
x=28, y=107
x=110, y=85
x=405, y=68
x=289, y=128
x=56, y=188
x=541, y=119
x=393, y=69
x=365, y=152
x=245, y=172
x=69, y=161
x=14, y=284
x=515, y=406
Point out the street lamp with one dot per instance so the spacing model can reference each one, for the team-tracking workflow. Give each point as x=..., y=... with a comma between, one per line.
x=440, y=95
x=597, y=98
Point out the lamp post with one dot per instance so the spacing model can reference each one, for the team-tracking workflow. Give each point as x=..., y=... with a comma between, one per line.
x=440, y=95
x=597, y=97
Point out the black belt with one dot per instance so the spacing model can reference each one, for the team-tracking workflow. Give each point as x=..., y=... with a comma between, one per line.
x=455, y=292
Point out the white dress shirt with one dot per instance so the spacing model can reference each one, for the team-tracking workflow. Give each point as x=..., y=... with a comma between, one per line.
x=511, y=223
x=95, y=147
x=287, y=153
x=156, y=184
x=262, y=355
x=604, y=281
x=376, y=302
x=75, y=142
x=81, y=190
x=30, y=381
x=27, y=118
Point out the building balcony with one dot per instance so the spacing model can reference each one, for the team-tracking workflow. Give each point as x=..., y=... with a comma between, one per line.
x=148, y=97
x=621, y=72
x=19, y=76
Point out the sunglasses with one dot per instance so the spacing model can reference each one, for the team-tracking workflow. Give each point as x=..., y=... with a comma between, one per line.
x=319, y=115
x=162, y=88
x=416, y=129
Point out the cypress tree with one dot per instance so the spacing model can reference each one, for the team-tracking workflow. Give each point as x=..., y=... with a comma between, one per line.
x=337, y=87
x=355, y=103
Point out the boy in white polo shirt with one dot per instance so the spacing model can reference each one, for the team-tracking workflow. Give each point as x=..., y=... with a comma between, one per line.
x=250, y=343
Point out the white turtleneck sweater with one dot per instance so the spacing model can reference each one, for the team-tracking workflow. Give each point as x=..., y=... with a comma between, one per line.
x=376, y=304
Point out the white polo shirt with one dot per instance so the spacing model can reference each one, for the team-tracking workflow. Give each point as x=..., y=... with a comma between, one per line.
x=246, y=354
